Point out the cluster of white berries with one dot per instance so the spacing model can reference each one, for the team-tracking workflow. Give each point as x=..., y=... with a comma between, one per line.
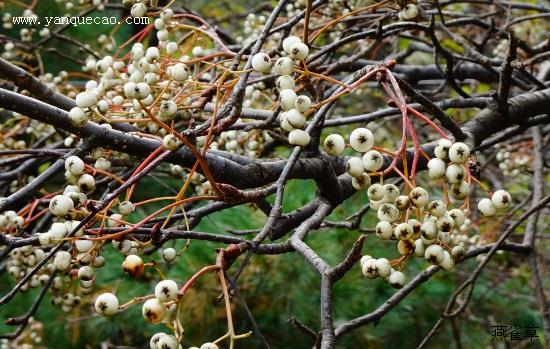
x=361, y=140
x=247, y=143
x=513, y=160
x=124, y=88
x=82, y=257
x=18, y=138
x=500, y=200
x=127, y=247
x=155, y=310
x=21, y=261
x=74, y=194
x=449, y=165
x=435, y=234
x=86, y=254
x=293, y=119
x=10, y=220
x=435, y=224
x=67, y=301
x=373, y=268
x=252, y=27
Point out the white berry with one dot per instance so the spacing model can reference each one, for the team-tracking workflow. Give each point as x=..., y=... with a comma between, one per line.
x=436, y=168
x=74, y=165
x=83, y=246
x=126, y=207
x=85, y=273
x=434, y=254
x=361, y=140
x=166, y=290
x=501, y=199
x=178, y=72
x=298, y=137
x=445, y=224
x=447, y=263
x=396, y=279
x=373, y=160
x=486, y=207
x=403, y=231
x=391, y=192
x=361, y=182
x=299, y=51
x=428, y=230
x=460, y=190
x=384, y=230
x=133, y=265
x=60, y=205
x=458, y=216
x=369, y=268
x=388, y=213
x=409, y=12
x=142, y=90
x=171, y=142
x=295, y=118
x=130, y=89
x=261, y=62
x=402, y=202
x=459, y=153
x=62, y=260
x=284, y=66
x=287, y=99
x=153, y=311
x=289, y=42
x=86, y=182
x=106, y=304
x=455, y=173
x=302, y=103
x=376, y=192
x=168, y=342
x=78, y=116
x=419, y=248
x=419, y=197
x=354, y=166
x=383, y=267
x=285, y=82
x=334, y=144
x=169, y=254
x=86, y=99
x=155, y=339
x=437, y=208
x=138, y=10
x=442, y=149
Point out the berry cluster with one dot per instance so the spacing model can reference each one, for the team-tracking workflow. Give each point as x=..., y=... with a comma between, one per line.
x=435, y=231
x=156, y=309
x=295, y=107
x=513, y=159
